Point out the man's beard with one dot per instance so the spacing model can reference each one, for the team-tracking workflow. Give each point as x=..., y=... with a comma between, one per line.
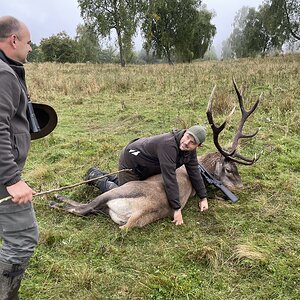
x=183, y=147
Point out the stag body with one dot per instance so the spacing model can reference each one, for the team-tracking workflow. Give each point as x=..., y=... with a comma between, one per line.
x=138, y=203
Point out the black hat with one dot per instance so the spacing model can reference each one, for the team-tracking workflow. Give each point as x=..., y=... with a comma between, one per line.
x=47, y=120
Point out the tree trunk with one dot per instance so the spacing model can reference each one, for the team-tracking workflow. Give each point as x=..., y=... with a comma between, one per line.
x=122, y=60
x=289, y=22
x=168, y=55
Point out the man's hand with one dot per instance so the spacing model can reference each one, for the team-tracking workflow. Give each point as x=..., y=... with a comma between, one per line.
x=177, y=217
x=203, y=204
x=20, y=192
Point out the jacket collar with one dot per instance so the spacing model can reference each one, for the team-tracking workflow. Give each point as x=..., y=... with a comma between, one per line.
x=178, y=134
x=15, y=65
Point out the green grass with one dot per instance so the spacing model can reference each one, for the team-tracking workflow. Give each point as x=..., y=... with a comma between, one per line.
x=248, y=250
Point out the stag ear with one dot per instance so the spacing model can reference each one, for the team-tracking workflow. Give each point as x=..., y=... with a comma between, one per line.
x=219, y=167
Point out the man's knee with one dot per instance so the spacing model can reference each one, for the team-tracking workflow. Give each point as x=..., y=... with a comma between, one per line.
x=127, y=176
x=18, y=247
x=19, y=232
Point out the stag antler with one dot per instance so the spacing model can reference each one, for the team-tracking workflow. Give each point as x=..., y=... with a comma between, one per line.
x=233, y=154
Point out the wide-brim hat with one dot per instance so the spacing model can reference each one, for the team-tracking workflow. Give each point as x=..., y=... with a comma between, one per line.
x=47, y=119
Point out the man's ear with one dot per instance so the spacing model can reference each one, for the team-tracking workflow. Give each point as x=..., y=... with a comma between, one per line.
x=13, y=39
x=200, y=145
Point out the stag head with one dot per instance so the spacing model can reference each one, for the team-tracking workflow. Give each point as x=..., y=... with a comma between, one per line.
x=225, y=166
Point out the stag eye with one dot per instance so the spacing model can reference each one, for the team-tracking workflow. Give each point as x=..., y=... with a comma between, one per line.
x=227, y=171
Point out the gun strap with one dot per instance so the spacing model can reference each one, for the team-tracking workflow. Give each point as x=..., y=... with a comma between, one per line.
x=33, y=122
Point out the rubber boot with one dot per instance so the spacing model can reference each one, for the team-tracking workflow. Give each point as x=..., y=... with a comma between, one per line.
x=92, y=172
x=113, y=178
x=103, y=184
x=10, y=280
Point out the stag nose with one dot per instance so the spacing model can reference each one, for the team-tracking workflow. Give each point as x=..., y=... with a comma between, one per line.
x=233, y=185
x=236, y=186
x=239, y=187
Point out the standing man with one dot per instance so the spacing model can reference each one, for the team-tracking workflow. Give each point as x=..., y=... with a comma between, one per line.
x=18, y=227
x=163, y=154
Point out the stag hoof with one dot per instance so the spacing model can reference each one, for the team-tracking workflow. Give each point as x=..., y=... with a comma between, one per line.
x=66, y=200
x=55, y=205
x=58, y=197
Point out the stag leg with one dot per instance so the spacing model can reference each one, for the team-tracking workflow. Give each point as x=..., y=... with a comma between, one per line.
x=58, y=205
x=133, y=221
x=98, y=205
x=66, y=200
x=143, y=218
x=71, y=206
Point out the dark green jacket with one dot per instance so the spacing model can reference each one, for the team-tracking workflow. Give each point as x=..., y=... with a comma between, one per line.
x=14, y=127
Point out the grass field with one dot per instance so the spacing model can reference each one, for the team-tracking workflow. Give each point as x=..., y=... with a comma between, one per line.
x=248, y=250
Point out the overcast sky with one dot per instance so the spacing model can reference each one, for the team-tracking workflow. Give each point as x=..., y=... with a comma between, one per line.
x=47, y=17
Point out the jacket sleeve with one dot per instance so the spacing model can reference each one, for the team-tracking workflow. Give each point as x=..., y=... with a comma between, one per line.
x=195, y=176
x=9, y=101
x=167, y=160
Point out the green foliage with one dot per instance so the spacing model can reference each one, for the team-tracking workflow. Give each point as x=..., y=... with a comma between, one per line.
x=276, y=23
x=254, y=39
x=210, y=54
x=203, y=33
x=180, y=29
x=36, y=54
x=249, y=38
x=59, y=48
x=88, y=45
x=224, y=253
x=104, y=16
x=284, y=18
x=227, y=52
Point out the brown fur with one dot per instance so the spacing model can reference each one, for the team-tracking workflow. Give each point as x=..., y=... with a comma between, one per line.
x=138, y=203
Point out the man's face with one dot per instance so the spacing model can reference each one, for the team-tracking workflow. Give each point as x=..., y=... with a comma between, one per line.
x=187, y=143
x=21, y=42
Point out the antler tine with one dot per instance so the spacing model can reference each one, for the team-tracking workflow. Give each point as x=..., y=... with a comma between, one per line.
x=245, y=161
x=237, y=157
x=245, y=115
x=216, y=129
x=239, y=95
x=250, y=135
x=241, y=102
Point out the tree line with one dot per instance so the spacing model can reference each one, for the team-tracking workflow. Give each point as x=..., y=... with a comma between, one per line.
x=172, y=30
x=274, y=25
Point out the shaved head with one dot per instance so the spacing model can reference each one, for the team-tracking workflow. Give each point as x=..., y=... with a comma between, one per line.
x=14, y=38
x=8, y=26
